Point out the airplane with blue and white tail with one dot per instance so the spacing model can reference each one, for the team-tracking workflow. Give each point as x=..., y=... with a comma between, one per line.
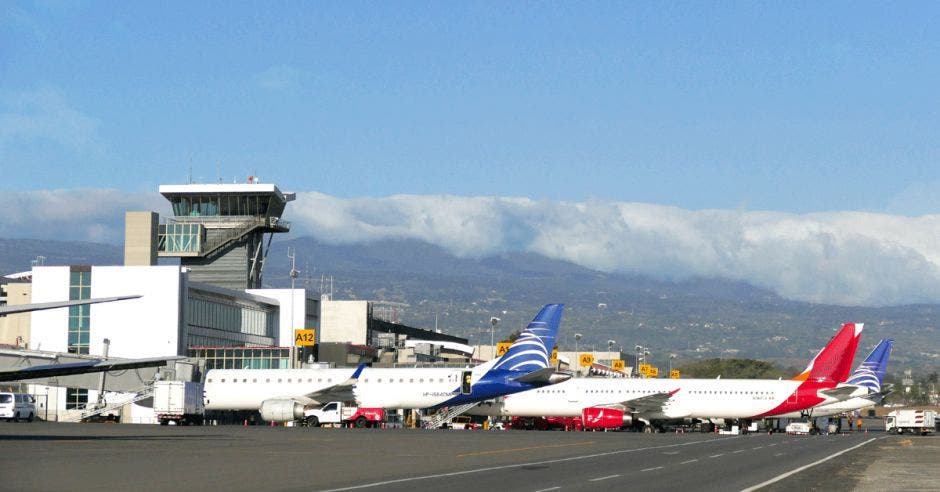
x=869, y=374
x=285, y=394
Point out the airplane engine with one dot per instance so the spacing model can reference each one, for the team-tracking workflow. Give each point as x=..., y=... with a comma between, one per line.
x=281, y=410
x=605, y=418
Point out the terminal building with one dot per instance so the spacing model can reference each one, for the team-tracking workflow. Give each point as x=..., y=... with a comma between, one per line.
x=199, y=275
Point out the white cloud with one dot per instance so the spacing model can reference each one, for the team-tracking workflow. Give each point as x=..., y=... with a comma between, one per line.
x=848, y=258
x=95, y=215
x=46, y=115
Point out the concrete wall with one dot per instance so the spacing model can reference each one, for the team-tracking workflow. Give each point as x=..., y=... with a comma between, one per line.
x=140, y=238
x=301, y=318
x=14, y=328
x=344, y=321
x=144, y=327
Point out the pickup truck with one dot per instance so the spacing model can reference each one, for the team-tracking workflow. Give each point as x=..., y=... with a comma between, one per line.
x=339, y=414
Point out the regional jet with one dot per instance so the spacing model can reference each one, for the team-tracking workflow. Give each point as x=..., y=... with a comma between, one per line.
x=284, y=394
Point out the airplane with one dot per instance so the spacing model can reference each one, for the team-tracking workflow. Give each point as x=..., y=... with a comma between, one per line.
x=284, y=394
x=869, y=374
x=647, y=403
x=71, y=368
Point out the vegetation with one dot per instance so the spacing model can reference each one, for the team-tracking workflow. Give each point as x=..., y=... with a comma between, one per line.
x=733, y=369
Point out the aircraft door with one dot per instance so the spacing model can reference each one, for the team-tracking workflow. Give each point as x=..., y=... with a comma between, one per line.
x=571, y=392
x=465, y=383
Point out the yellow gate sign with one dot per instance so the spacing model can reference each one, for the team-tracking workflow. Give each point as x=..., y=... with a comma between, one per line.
x=305, y=338
x=587, y=360
x=554, y=359
x=654, y=372
x=674, y=374
x=617, y=365
x=502, y=347
x=645, y=369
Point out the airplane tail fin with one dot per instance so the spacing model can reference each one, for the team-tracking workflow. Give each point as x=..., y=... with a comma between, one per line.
x=834, y=361
x=871, y=372
x=533, y=349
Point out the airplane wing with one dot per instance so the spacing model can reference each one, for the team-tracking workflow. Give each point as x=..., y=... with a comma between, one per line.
x=67, y=369
x=646, y=404
x=338, y=392
x=39, y=306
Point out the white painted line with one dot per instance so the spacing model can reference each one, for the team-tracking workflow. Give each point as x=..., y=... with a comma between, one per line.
x=689, y=461
x=608, y=477
x=517, y=465
x=716, y=455
x=670, y=452
x=758, y=447
x=779, y=454
x=546, y=490
x=804, y=467
x=738, y=451
x=771, y=445
x=651, y=469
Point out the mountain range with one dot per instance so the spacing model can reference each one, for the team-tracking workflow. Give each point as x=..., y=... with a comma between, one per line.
x=427, y=287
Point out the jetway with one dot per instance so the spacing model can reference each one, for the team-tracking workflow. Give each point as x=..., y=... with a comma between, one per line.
x=128, y=380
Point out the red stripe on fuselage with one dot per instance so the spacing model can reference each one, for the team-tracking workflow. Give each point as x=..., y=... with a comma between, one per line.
x=805, y=395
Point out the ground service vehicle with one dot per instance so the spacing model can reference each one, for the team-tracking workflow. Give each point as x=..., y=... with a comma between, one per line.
x=799, y=428
x=179, y=402
x=17, y=406
x=338, y=413
x=911, y=421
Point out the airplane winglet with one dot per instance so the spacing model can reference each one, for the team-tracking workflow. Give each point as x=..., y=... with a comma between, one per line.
x=355, y=375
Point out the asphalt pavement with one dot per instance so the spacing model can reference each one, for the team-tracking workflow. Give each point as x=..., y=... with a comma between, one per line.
x=101, y=457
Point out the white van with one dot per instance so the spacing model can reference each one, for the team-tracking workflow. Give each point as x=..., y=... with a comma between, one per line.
x=17, y=406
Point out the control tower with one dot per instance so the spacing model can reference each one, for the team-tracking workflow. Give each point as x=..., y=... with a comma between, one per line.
x=217, y=230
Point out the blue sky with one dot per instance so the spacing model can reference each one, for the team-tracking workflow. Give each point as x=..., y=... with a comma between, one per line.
x=681, y=139
x=793, y=107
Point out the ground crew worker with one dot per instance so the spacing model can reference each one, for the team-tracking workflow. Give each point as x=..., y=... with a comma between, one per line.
x=859, y=423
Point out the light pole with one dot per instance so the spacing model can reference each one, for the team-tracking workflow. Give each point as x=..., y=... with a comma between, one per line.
x=671, y=358
x=493, y=321
x=610, y=348
x=636, y=360
x=577, y=338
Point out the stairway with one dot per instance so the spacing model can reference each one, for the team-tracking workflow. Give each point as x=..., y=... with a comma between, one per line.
x=445, y=415
x=90, y=410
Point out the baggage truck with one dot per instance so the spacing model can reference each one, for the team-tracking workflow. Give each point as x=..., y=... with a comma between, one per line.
x=337, y=413
x=178, y=402
x=911, y=421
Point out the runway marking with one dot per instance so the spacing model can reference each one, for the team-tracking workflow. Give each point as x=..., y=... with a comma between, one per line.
x=513, y=450
x=546, y=490
x=689, y=461
x=771, y=445
x=716, y=455
x=758, y=447
x=670, y=452
x=804, y=467
x=517, y=465
x=738, y=451
x=608, y=477
x=651, y=469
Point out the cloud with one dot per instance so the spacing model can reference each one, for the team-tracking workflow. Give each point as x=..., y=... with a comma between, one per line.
x=46, y=115
x=95, y=215
x=846, y=258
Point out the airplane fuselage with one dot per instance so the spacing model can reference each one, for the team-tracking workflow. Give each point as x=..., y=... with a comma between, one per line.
x=691, y=398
